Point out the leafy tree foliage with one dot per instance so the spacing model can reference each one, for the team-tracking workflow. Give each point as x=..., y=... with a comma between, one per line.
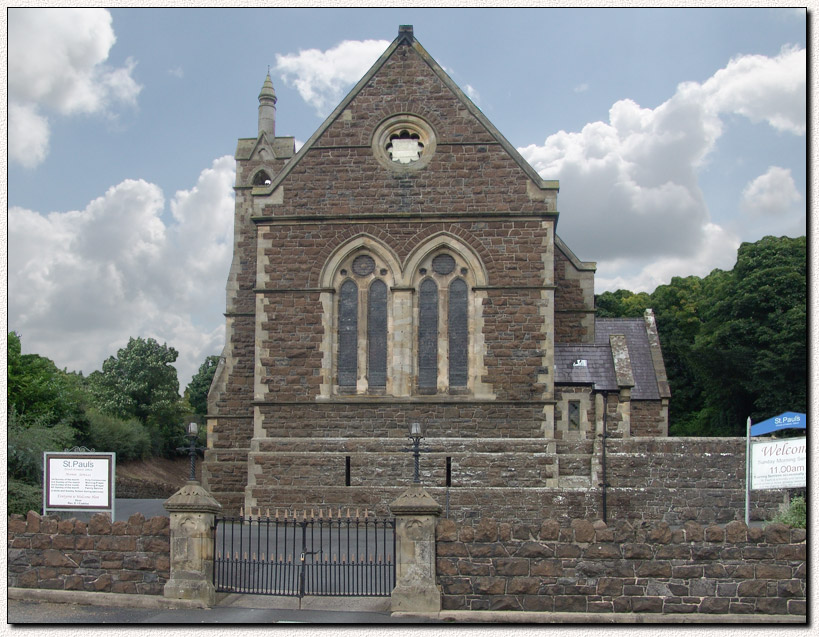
x=734, y=343
x=23, y=497
x=28, y=438
x=622, y=304
x=129, y=439
x=40, y=392
x=140, y=382
x=197, y=390
x=46, y=411
x=753, y=346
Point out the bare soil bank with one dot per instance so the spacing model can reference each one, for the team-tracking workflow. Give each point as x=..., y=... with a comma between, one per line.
x=152, y=478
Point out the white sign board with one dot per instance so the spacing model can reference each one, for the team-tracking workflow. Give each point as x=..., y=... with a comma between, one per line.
x=779, y=464
x=79, y=481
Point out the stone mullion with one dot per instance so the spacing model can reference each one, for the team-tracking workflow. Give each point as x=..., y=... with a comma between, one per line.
x=443, y=337
x=400, y=370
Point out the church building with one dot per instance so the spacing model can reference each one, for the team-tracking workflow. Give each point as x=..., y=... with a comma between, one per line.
x=403, y=267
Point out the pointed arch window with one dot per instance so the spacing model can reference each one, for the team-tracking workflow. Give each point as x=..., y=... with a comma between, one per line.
x=348, y=335
x=361, y=345
x=403, y=329
x=428, y=335
x=377, y=334
x=445, y=327
x=458, y=328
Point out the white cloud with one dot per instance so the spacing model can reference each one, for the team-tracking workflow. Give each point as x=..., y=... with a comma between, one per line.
x=56, y=63
x=762, y=89
x=323, y=77
x=28, y=135
x=630, y=194
x=115, y=270
x=773, y=193
x=718, y=249
x=581, y=88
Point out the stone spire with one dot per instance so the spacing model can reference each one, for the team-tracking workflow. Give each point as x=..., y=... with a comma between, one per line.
x=267, y=108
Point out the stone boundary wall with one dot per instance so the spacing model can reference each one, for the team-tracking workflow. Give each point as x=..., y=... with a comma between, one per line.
x=130, y=556
x=623, y=568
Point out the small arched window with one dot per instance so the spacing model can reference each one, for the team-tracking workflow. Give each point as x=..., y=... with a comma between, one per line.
x=261, y=178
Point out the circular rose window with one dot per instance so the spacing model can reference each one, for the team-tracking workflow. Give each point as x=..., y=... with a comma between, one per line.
x=404, y=142
x=363, y=265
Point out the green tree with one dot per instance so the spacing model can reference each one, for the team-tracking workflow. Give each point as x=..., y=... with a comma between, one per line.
x=45, y=411
x=734, y=343
x=752, y=351
x=622, y=304
x=39, y=391
x=197, y=391
x=141, y=382
x=129, y=439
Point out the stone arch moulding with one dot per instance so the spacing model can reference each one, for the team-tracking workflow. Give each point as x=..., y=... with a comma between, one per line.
x=359, y=243
x=445, y=241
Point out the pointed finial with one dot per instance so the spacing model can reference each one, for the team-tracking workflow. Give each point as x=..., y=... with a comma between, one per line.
x=267, y=107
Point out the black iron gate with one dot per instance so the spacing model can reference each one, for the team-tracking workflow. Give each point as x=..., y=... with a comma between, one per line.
x=300, y=554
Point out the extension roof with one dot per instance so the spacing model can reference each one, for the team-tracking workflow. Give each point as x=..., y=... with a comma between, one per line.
x=625, y=354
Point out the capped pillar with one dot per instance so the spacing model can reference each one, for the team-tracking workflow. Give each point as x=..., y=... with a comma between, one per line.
x=416, y=589
x=267, y=108
x=193, y=511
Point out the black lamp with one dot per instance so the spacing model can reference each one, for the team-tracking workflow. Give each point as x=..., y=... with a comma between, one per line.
x=192, y=448
x=416, y=437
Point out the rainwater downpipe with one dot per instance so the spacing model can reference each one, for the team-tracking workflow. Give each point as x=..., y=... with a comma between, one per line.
x=605, y=484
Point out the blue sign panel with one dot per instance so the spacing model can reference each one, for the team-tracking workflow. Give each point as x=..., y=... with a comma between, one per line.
x=788, y=420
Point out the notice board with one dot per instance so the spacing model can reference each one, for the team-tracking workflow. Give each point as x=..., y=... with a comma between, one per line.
x=79, y=481
x=778, y=464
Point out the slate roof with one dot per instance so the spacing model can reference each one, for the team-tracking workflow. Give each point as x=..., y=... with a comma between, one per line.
x=599, y=370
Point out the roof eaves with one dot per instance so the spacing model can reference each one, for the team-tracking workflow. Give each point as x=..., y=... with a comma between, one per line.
x=571, y=256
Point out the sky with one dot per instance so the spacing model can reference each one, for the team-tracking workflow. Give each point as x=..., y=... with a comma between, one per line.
x=676, y=134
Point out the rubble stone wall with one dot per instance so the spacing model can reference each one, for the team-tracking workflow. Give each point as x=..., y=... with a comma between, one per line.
x=586, y=566
x=130, y=556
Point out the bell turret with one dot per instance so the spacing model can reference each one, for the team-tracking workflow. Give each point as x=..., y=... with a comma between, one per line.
x=267, y=109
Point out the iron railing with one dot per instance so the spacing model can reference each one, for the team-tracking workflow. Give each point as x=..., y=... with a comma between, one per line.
x=296, y=554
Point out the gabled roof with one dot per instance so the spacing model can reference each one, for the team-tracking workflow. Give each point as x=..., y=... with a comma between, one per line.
x=624, y=354
x=407, y=38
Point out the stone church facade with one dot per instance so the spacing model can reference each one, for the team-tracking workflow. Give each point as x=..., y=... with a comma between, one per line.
x=403, y=266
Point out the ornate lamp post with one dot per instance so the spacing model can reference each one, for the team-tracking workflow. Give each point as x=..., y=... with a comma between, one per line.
x=192, y=448
x=416, y=437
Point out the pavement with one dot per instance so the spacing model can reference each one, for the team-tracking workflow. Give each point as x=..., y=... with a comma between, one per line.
x=44, y=607
x=41, y=607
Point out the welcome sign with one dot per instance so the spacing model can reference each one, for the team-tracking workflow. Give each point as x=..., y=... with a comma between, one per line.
x=79, y=481
x=779, y=464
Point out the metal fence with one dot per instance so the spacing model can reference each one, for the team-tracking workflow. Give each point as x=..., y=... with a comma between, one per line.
x=296, y=554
